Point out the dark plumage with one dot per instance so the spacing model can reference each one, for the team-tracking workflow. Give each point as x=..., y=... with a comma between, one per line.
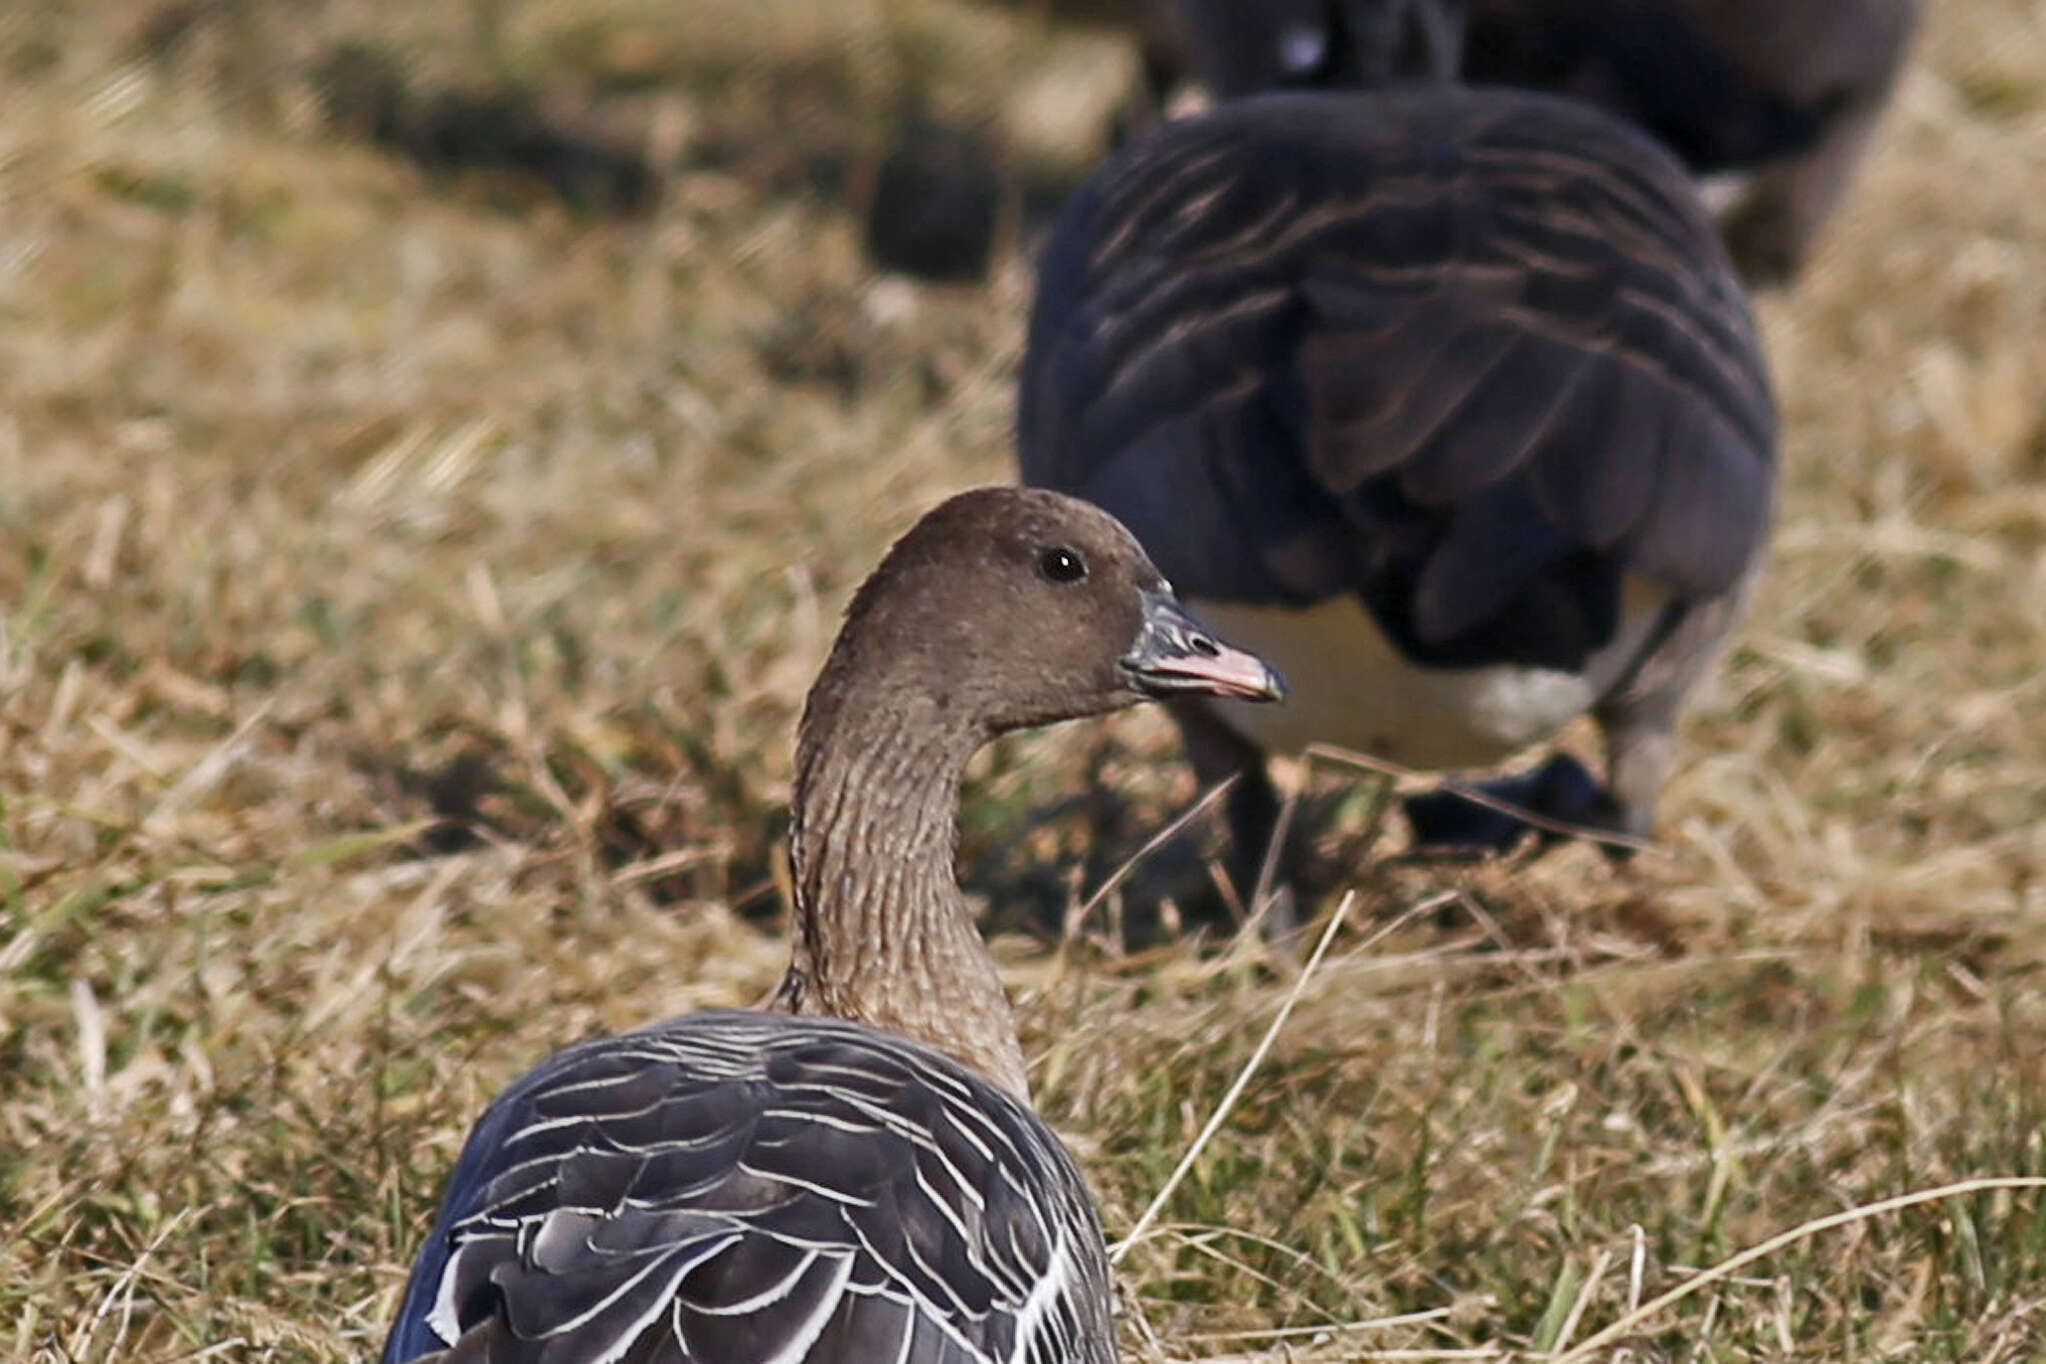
x=934, y=206
x=1769, y=103
x=1235, y=48
x=857, y=1175
x=1783, y=93
x=728, y=1186
x=1448, y=400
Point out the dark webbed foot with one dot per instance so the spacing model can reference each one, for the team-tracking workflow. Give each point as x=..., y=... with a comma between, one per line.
x=1562, y=790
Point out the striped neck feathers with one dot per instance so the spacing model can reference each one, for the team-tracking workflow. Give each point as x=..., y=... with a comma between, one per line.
x=882, y=932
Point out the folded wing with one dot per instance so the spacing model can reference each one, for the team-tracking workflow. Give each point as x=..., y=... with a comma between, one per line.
x=746, y=1187
x=1477, y=357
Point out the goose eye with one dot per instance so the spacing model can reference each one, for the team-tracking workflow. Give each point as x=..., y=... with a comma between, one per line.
x=1062, y=565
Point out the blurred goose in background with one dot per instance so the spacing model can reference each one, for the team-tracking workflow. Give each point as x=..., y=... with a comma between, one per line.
x=933, y=206
x=1448, y=401
x=1233, y=48
x=1770, y=103
x=1773, y=102
x=1244, y=47
x=854, y=1174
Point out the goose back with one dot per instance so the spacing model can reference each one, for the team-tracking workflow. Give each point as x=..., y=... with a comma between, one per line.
x=656, y=1197
x=1770, y=103
x=1474, y=357
x=1775, y=100
x=1724, y=83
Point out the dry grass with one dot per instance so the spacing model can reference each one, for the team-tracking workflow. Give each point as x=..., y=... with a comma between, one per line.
x=407, y=582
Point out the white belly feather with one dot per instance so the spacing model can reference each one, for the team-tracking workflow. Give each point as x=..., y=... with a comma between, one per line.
x=1352, y=688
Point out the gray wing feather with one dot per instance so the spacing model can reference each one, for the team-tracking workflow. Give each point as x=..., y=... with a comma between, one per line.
x=755, y=1189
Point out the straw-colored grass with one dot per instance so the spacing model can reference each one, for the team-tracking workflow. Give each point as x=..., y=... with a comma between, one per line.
x=409, y=573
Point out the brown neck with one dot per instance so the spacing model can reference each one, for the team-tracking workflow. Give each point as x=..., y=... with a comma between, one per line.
x=882, y=933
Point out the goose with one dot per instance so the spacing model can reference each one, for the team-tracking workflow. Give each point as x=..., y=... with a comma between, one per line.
x=1235, y=49
x=853, y=1173
x=1240, y=47
x=1771, y=104
x=1447, y=401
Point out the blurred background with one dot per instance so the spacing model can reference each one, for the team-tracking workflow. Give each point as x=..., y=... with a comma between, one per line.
x=435, y=444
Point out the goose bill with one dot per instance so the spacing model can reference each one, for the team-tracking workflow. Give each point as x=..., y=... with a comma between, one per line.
x=1176, y=655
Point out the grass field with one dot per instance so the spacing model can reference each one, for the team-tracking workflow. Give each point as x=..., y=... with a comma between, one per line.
x=410, y=569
